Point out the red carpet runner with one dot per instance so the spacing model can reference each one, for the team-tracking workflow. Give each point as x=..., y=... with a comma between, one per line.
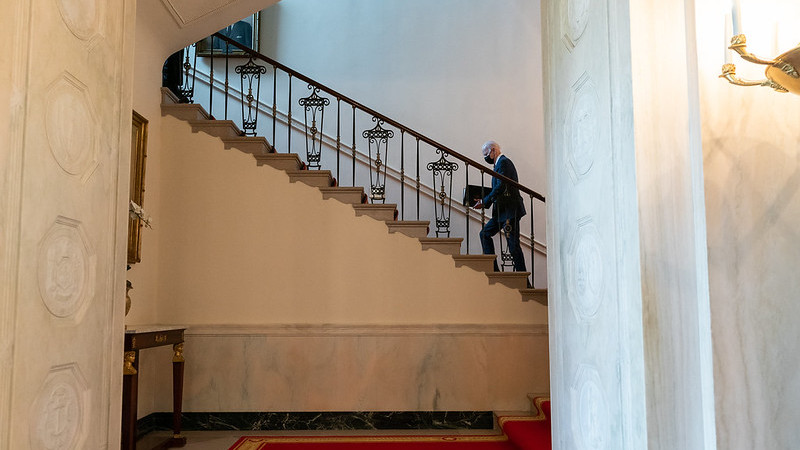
x=519, y=433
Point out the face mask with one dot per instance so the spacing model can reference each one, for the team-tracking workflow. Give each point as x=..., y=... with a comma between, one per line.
x=488, y=159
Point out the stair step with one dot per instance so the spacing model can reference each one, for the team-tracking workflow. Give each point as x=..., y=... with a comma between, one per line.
x=280, y=161
x=219, y=128
x=254, y=145
x=481, y=263
x=168, y=97
x=411, y=228
x=315, y=178
x=448, y=246
x=514, y=280
x=377, y=211
x=184, y=111
x=347, y=195
x=537, y=295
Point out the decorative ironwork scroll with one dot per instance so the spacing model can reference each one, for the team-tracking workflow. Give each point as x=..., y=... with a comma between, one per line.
x=442, y=171
x=314, y=104
x=506, y=259
x=188, y=71
x=250, y=74
x=378, y=137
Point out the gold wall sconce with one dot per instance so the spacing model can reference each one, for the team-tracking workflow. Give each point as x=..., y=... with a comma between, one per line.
x=781, y=72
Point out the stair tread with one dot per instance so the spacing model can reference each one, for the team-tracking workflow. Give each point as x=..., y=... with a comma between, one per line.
x=198, y=110
x=509, y=274
x=442, y=240
x=280, y=156
x=411, y=222
x=258, y=139
x=342, y=189
x=376, y=206
x=537, y=295
x=476, y=256
x=312, y=173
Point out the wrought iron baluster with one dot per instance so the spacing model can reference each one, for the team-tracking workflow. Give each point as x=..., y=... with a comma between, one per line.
x=379, y=137
x=250, y=73
x=211, y=85
x=338, y=135
x=402, y=175
x=187, y=87
x=227, y=70
x=418, y=183
x=274, y=103
x=354, y=145
x=533, y=241
x=289, y=119
x=442, y=171
x=483, y=209
x=466, y=212
x=506, y=259
x=314, y=104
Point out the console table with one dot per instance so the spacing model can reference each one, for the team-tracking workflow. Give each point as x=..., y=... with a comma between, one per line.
x=139, y=338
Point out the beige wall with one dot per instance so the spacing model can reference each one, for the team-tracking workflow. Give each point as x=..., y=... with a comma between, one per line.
x=750, y=147
x=162, y=27
x=238, y=245
x=241, y=244
x=256, y=266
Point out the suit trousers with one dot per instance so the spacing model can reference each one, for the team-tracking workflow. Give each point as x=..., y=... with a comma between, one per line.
x=491, y=228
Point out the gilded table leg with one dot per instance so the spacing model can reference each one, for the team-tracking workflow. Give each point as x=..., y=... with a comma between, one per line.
x=178, y=440
x=130, y=387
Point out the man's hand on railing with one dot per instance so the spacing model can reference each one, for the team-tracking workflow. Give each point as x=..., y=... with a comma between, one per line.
x=478, y=204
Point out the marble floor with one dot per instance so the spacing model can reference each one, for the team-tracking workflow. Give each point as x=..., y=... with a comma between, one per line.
x=223, y=440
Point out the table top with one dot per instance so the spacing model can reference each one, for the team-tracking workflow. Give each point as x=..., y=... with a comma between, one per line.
x=137, y=329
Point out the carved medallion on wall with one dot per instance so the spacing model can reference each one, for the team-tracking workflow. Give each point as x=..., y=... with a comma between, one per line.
x=66, y=269
x=582, y=127
x=60, y=410
x=589, y=410
x=585, y=283
x=81, y=16
x=70, y=125
x=575, y=21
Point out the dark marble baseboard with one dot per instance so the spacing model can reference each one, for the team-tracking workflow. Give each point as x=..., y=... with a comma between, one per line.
x=253, y=421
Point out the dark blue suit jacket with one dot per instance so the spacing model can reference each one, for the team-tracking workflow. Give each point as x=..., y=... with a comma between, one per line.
x=507, y=201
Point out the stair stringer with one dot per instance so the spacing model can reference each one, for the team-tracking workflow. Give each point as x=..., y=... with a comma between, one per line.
x=244, y=233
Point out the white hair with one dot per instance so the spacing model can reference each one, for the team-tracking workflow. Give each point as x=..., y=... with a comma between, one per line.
x=489, y=146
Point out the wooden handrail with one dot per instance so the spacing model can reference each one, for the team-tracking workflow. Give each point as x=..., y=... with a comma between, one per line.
x=380, y=116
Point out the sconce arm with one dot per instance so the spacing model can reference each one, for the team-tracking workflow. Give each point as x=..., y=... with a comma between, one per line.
x=739, y=45
x=729, y=73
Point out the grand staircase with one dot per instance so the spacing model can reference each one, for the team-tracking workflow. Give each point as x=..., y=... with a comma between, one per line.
x=323, y=180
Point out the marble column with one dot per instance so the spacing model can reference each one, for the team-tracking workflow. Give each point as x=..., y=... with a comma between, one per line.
x=63, y=195
x=630, y=334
